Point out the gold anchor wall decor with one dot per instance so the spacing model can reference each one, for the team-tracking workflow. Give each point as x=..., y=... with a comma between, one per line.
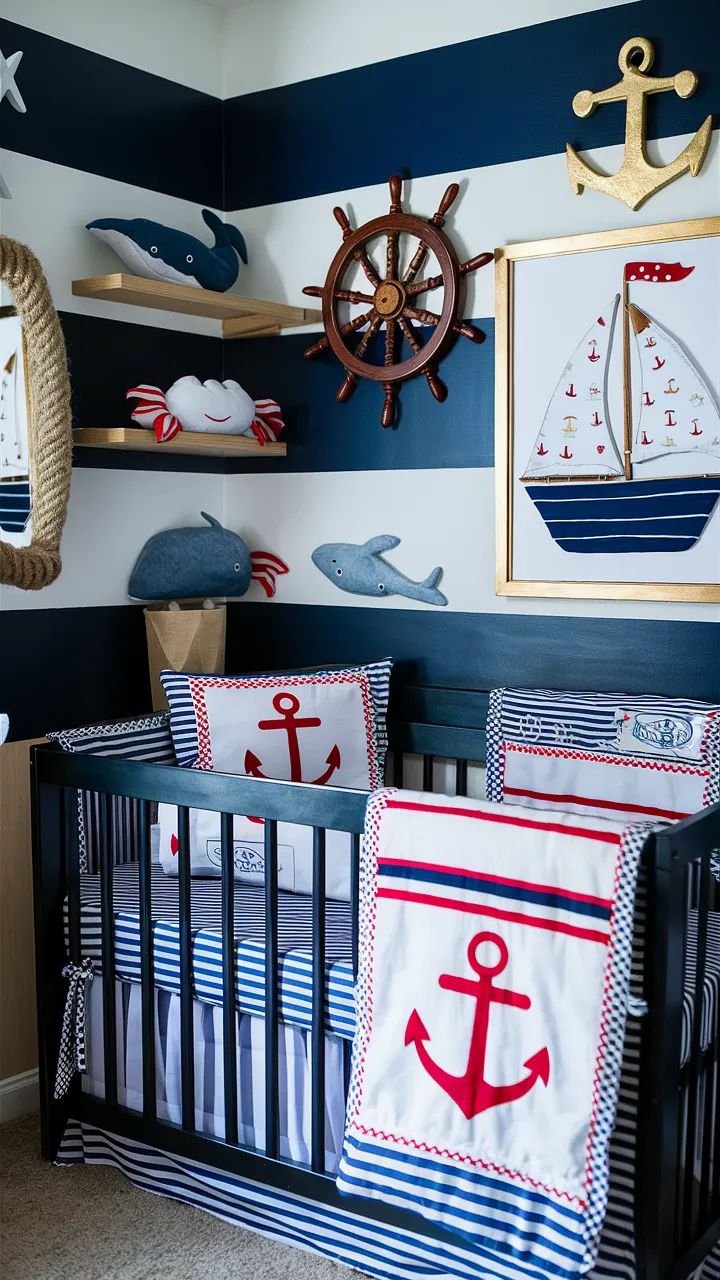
x=637, y=179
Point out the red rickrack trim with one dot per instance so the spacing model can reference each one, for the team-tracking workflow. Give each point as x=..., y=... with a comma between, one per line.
x=199, y=684
x=630, y=762
x=459, y=1158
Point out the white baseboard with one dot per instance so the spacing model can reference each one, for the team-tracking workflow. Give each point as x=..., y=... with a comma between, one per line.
x=19, y=1096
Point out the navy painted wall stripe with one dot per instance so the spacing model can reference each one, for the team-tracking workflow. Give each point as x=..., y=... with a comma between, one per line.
x=479, y=651
x=107, y=357
x=323, y=435
x=75, y=666
x=501, y=98
x=101, y=116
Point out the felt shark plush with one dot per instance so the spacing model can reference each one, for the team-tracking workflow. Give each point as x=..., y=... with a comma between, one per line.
x=188, y=564
x=160, y=253
x=361, y=570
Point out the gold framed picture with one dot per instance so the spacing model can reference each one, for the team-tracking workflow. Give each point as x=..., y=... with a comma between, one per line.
x=607, y=447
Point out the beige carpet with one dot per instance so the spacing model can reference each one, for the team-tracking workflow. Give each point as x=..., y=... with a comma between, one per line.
x=90, y=1223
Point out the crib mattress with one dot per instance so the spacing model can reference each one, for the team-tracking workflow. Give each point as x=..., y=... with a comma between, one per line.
x=294, y=944
x=294, y=947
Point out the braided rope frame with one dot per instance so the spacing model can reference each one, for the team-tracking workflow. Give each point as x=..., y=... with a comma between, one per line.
x=50, y=433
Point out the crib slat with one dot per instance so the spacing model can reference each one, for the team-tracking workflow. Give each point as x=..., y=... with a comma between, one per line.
x=187, y=1031
x=107, y=931
x=317, y=1161
x=699, y=874
x=272, y=1109
x=461, y=779
x=147, y=961
x=228, y=972
x=72, y=870
x=428, y=762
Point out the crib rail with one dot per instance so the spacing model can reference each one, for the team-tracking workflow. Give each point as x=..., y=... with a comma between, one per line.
x=678, y=1189
x=678, y=1158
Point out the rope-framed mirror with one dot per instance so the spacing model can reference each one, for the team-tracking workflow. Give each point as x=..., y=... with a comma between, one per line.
x=39, y=478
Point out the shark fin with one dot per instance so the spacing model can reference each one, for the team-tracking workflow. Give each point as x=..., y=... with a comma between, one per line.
x=226, y=233
x=383, y=542
x=211, y=520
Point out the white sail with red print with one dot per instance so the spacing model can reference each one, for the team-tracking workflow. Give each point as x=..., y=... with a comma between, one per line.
x=678, y=413
x=576, y=438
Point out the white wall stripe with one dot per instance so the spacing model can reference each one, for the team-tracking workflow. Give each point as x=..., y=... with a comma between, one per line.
x=270, y=44
x=177, y=39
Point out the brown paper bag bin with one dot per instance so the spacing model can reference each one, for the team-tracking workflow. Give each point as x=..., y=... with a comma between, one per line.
x=183, y=640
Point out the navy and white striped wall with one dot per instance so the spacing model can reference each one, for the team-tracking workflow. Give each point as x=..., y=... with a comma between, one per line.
x=239, y=113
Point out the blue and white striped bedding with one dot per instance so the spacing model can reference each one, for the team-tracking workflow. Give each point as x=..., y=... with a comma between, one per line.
x=295, y=947
x=294, y=944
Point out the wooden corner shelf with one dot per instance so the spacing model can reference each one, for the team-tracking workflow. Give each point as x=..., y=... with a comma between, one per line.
x=188, y=442
x=241, y=317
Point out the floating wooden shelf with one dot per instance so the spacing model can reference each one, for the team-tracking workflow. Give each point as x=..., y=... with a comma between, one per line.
x=241, y=317
x=197, y=442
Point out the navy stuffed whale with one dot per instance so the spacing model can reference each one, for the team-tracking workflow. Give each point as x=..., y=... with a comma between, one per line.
x=161, y=253
x=190, y=564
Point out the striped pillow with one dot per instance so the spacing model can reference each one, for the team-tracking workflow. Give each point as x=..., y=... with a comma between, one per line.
x=609, y=755
x=147, y=739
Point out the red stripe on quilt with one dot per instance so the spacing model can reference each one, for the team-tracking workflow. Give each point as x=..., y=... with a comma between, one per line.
x=515, y=917
x=560, y=798
x=605, y=837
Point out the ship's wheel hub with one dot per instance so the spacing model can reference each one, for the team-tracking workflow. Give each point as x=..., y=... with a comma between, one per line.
x=389, y=299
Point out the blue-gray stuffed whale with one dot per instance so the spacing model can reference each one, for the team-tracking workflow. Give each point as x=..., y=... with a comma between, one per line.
x=361, y=570
x=161, y=253
x=191, y=564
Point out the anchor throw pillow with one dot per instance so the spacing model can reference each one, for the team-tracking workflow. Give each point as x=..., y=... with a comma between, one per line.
x=610, y=755
x=318, y=727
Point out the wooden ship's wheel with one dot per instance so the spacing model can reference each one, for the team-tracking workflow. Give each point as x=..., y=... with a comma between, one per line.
x=393, y=300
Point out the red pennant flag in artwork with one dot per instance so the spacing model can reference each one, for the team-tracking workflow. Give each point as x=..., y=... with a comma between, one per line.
x=656, y=272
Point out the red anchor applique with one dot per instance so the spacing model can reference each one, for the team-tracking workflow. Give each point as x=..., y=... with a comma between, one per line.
x=542, y=451
x=651, y=342
x=596, y=420
x=287, y=705
x=571, y=393
x=645, y=441
x=471, y=1092
x=695, y=431
x=670, y=421
x=592, y=353
x=659, y=362
x=647, y=402
x=566, y=454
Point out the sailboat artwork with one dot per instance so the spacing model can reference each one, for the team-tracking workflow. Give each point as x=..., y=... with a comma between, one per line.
x=15, y=496
x=621, y=494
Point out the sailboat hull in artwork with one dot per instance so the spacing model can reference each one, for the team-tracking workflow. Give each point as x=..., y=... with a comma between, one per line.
x=15, y=504
x=619, y=516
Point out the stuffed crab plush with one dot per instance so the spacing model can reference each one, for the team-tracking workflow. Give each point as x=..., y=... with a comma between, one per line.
x=222, y=408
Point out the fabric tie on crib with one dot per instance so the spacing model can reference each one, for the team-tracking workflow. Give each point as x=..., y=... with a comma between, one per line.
x=73, y=1043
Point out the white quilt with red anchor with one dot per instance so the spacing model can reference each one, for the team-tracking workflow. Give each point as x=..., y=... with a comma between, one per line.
x=493, y=986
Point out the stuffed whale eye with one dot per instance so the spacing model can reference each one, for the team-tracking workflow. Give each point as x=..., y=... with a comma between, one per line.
x=238, y=567
x=153, y=248
x=189, y=258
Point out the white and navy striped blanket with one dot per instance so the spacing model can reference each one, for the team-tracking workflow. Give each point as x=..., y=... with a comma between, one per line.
x=496, y=950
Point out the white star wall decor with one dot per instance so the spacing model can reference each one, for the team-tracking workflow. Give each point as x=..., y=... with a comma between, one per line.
x=8, y=87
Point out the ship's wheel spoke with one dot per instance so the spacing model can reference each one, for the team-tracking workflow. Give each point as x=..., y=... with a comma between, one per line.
x=391, y=255
x=372, y=329
x=323, y=343
x=352, y=295
x=438, y=388
x=388, y=412
x=420, y=314
x=415, y=263
x=424, y=286
x=390, y=334
x=364, y=261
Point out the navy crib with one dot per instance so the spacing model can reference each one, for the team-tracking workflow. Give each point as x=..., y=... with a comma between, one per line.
x=677, y=1195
